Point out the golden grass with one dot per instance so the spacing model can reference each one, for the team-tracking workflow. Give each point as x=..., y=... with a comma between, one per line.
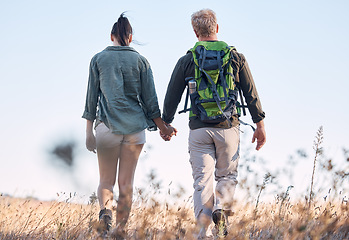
x=171, y=218
x=33, y=219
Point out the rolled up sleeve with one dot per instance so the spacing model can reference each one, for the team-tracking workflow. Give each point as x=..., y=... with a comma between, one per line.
x=92, y=92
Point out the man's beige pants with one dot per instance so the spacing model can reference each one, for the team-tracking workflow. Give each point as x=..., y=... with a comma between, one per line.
x=214, y=151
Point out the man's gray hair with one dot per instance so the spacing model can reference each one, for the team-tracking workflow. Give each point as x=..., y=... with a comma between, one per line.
x=204, y=22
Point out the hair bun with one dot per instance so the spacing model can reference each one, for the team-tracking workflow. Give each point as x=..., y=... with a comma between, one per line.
x=122, y=16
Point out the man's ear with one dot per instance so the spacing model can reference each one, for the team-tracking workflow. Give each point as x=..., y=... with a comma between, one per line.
x=112, y=37
x=196, y=34
x=217, y=28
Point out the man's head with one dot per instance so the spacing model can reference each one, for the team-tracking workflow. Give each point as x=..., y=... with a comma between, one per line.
x=204, y=23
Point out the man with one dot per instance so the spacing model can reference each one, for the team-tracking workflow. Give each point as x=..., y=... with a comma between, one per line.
x=213, y=147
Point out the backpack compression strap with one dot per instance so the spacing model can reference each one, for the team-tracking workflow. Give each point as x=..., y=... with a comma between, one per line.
x=214, y=88
x=247, y=124
x=223, y=80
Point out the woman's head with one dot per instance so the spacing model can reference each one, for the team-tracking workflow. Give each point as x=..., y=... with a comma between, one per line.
x=122, y=31
x=204, y=22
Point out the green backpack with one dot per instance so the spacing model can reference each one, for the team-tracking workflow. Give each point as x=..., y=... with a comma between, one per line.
x=215, y=98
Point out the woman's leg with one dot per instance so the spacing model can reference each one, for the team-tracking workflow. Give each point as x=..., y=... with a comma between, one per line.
x=107, y=161
x=127, y=165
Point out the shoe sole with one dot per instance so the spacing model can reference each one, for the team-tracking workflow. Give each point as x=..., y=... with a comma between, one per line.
x=219, y=220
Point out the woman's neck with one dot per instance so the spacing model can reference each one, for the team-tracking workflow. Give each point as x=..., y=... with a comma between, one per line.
x=116, y=43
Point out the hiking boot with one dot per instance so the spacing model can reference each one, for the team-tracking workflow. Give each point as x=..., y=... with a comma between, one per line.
x=105, y=219
x=220, y=220
x=118, y=234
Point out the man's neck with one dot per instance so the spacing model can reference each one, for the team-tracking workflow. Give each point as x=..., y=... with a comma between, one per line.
x=210, y=38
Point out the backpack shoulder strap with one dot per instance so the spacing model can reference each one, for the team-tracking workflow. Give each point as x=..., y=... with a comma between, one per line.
x=186, y=109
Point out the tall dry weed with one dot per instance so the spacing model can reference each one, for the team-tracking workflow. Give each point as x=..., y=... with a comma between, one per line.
x=318, y=151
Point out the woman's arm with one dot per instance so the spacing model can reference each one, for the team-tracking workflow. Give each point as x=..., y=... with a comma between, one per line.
x=91, y=104
x=93, y=90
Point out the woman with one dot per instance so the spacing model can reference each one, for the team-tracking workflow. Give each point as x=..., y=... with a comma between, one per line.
x=121, y=87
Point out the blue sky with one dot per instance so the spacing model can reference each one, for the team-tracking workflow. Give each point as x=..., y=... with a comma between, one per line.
x=297, y=51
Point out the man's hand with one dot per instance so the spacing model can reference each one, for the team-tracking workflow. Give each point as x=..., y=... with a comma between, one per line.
x=260, y=135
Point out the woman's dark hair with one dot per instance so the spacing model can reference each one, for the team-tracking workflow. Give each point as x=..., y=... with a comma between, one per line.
x=121, y=30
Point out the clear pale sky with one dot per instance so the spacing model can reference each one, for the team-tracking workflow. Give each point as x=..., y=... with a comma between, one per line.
x=297, y=51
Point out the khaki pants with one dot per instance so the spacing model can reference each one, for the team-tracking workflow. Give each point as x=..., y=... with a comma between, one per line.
x=214, y=152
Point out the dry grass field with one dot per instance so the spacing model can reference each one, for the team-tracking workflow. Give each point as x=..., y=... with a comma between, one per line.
x=312, y=216
x=32, y=219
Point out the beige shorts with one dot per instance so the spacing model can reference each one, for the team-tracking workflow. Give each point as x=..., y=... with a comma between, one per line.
x=106, y=139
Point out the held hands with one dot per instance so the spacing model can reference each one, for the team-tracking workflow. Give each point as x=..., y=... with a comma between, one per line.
x=168, y=132
x=260, y=135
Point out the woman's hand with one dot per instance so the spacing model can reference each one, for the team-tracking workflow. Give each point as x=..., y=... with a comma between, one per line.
x=91, y=142
x=90, y=137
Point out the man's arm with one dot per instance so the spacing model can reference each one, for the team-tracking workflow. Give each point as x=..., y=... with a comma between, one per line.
x=249, y=90
x=174, y=92
x=250, y=93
